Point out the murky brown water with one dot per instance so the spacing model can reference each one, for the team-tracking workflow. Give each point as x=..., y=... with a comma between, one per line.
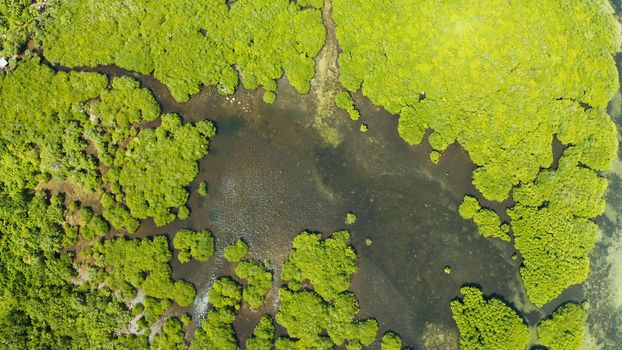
x=270, y=175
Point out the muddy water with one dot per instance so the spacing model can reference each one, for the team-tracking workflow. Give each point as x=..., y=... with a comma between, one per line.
x=271, y=174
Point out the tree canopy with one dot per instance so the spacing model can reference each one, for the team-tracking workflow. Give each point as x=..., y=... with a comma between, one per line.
x=500, y=83
x=488, y=323
x=194, y=245
x=310, y=314
x=186, y=44
x=327, y=264
x=564, y=330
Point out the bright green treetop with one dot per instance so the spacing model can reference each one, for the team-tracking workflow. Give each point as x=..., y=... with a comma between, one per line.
x=327, y=264
x=216, y=331
x=236, y=251
x=158, y=164
x=488, y=324
x=258, y=282
x=191, y=244
x=565, y=329
x=263, y=335
x=391, y=341
x=225, y=293
x=500, y=83
x=18, y=22
x=170, y=337
x=142, y=264
x=187, y=43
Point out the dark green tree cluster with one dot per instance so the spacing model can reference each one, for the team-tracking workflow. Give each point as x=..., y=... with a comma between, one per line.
x=157, y=164
x=18, y=22
x=321, y=320
x=236, y=251
x=326, y=264
x=194, y=245
x=185, y=44
x=258, y=282
x=500, y=83
x=141, y=264
x=565, y=329
x=488, y=324
x=487, y=221
x=45, y=303
x=42, y=122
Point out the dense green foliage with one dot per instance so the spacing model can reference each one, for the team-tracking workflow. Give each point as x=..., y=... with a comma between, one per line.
x=45, y=109
x=501, y=83
x=321, y=321
x=216, y=332
x=119, y=110
x=344, y=101
x=52, y=111
x=142, y=264
x=50, y=300
x=391, y=341
x=225, y=293
x=499, y=94
x=327, y=264
x=156, y=165
x=488, y=324
x=194, y=245
x=18, y=21
x=487, y=221
x=40, y=307
x=263, y=335
x=186, y=43
x=258, y=282
x=171, y=337
x=564, y=330
x=556, y=239
x=236, y=251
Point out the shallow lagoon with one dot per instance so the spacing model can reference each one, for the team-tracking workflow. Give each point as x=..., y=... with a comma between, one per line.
x=272, y=172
